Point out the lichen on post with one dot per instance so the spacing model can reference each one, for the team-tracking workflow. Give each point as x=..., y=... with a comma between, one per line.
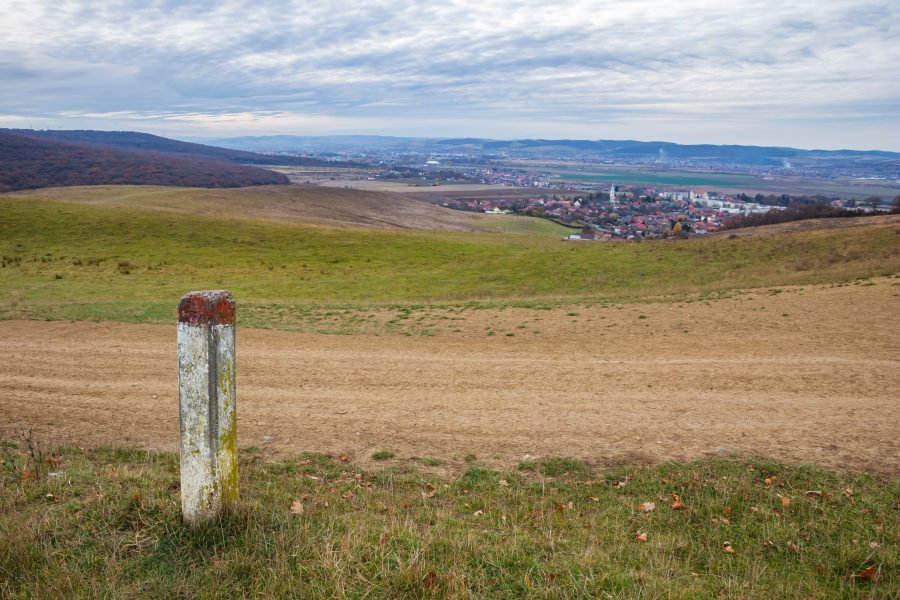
x=207, y=404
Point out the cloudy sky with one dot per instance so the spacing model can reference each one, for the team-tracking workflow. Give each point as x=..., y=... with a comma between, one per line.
x=807, y=73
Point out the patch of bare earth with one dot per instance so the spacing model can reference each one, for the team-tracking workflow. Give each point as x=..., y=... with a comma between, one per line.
x=808, y=375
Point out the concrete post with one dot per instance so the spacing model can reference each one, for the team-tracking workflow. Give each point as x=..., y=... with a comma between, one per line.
x=207, y=404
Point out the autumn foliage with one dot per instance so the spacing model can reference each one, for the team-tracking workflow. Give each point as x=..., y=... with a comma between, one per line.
x=135, y=140
x=27, y=163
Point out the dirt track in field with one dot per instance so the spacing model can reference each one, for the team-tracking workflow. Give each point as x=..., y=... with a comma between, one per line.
x=809, y=375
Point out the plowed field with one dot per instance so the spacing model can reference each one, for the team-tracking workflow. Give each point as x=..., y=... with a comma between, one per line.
x=806, y=375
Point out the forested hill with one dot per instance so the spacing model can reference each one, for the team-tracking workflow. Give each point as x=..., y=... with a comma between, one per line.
x=27, y=163
x=133, y=140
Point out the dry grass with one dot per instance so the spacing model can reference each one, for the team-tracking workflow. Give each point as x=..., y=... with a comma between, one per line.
x=106, y=524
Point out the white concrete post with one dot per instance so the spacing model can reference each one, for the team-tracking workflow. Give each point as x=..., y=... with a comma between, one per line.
x=207, y=404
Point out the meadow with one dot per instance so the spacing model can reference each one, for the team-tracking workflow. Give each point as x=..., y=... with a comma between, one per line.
x=132, y=261
x=107, y=524
x=724, y=180
x=774, y=342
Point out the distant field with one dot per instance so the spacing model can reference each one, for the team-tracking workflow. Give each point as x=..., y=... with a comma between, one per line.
x=407, y=187
x=665, y=178
x=131, y=259
x=722, y=182
x=602, y=175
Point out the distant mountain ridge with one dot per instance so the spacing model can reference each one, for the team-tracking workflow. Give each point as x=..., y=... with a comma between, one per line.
x=135, y=140
x=760, y=155
x=27, y=162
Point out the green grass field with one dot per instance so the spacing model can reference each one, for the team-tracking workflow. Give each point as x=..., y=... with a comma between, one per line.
x=107, y=524
x=725, y=180
x=72, y=261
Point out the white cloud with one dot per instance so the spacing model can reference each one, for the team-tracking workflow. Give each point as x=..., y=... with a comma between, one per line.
x=800, y=73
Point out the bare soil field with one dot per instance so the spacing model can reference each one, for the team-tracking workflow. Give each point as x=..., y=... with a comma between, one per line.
x=801, y=375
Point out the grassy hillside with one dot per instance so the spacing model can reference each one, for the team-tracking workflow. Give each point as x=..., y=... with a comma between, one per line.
x=67, y=260
x=303, y=204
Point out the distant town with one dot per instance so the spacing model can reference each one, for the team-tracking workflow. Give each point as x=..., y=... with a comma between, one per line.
x=605, y=190
x=607, y=212
x=635, y=213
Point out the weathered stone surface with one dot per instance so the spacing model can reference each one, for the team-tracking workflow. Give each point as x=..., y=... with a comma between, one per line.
x=215, y=306
x=207, y=404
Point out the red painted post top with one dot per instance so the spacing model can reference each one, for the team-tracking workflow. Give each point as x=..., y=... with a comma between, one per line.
x=200, y=308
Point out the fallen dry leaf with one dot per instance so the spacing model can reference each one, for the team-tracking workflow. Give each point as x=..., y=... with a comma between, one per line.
x=770, y=480
x=726, y=512
x=785, y=501
x=344, y=458
x=429, y=579
x=641, y=537
x=313, y=477
x=297, y=508
x=570, y=505
x=725, y=521
x=305, y=461
x=478, y=513
x=792, y=546
x=870, y=573
x=348, y=495
x=874, y=545
x=646, y=507
x=503, y=483
x=814, y=493
x=428, y=494
x=595, y=499
x=677, y=504
x=726, y=548
x=754, y=509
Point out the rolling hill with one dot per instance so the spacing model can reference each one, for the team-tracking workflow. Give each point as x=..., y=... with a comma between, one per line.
x=530, y=148
x=299, y=204
x=133, y=140
x=27, y=163
x=129, y=254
